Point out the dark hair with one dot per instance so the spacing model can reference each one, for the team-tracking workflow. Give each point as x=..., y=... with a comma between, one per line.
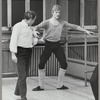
x=30, y=15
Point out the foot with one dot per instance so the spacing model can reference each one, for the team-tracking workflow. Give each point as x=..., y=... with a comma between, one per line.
x=38, y=88
x=17, y=93
x=63, y=88
x=23, y=98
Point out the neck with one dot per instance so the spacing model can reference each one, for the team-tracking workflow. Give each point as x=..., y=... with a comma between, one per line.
x=26, y=21
x=54, y=19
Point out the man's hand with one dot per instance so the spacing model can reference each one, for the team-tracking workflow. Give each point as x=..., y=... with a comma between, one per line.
x=89, y=32
x=34, y=41
x=36, y=34
x=14, y=58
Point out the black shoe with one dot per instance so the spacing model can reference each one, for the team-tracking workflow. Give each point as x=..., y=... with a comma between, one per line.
x=23, y=98
x=38, y=88
x=17, y=93
x=63, y=88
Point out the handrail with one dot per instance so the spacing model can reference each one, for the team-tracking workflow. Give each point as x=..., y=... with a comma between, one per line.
x=82, y=36
x=85, y=37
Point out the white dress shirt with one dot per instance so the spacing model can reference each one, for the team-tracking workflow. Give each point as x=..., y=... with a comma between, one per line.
x=21, y=36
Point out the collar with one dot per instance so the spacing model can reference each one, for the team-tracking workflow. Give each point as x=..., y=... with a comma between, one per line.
x=24, y=23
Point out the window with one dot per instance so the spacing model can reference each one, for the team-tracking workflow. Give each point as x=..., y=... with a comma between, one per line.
x=74, y=11
x=4, y=12
x=83, y=13
x=37, y=6
x=90, y=12
x=18, y=9
x=13, y=10
x=80, y=12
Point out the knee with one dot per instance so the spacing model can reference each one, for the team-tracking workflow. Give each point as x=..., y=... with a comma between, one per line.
x=42, y=63
x=41, y=66
x=64, y=66
x=22, y=78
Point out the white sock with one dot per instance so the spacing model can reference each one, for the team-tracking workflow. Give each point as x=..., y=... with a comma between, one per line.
x=41, y=73
x=61, y=75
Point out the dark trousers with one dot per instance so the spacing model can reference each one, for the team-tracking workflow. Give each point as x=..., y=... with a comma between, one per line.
x=94, y=82
x=53, y=47
x=23, y=56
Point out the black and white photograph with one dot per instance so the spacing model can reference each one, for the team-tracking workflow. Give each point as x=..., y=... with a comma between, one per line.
x=49, y=49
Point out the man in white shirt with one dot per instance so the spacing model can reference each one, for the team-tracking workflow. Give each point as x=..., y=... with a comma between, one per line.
x=21, y=49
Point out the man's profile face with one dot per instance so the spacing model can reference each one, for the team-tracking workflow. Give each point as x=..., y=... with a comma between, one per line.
x=31, y=21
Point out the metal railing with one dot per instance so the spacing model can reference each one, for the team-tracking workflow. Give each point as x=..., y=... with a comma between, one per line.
x=87, y=52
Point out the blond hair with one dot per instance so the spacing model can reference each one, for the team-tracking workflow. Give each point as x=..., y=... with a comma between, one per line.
x=56, y=7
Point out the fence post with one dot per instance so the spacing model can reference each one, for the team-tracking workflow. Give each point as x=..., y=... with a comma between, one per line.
x=85, y=57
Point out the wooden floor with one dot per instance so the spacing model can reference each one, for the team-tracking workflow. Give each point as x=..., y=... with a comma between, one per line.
x=77, y=90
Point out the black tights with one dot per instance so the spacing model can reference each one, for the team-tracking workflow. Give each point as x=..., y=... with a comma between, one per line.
x=53, y=47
